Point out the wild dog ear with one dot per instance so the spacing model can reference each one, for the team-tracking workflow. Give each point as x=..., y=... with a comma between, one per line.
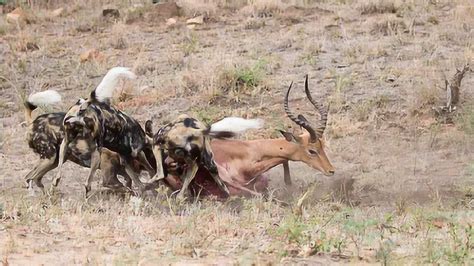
x=190, y=122
x=149, y=128
x=289, y=136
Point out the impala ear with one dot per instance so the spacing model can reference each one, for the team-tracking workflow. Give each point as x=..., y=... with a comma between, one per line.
x=301, y=117
x=289, y=136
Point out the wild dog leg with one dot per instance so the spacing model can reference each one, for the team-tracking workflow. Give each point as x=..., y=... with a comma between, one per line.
x=128, y=180
x=286, y=173
x=189, y=175
x=160, y=173
x=44, y=166
x=133, y=175
x=144, y=161
x=110, y=167
x=95, y=164
x=62, y=157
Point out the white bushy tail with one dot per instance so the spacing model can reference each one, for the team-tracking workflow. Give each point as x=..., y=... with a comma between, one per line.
x=40, y=99
x=106, y=88
x=236, y=125
x=44, y=98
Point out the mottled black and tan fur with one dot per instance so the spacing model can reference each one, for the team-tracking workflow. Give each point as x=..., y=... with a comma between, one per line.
x=99, y=125
x=44, y=136
x=188, y=142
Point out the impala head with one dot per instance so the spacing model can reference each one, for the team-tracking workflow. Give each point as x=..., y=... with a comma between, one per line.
x=310, y=143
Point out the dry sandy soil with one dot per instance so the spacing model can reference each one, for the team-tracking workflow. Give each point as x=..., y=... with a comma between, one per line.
x=403, y=192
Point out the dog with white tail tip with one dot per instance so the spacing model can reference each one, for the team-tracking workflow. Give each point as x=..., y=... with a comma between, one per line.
x=44, y=136
x=98, y=125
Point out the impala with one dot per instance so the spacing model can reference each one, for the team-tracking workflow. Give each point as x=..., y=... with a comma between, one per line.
x=241, y=164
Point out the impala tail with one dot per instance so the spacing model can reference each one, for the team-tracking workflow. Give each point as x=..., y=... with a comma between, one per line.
x=106, y=88
x=43, y=98
x=231, y=126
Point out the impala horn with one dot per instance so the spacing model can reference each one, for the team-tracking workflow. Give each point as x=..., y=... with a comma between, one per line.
x=322, y=112
x=298, y=121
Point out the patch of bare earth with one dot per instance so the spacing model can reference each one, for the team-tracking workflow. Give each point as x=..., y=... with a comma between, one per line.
x=403, y=189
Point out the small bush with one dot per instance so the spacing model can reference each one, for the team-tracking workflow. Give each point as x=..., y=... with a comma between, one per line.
x=242, y=79
x=190, y=45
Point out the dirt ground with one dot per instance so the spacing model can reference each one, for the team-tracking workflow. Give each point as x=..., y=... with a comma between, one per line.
x=403, y=192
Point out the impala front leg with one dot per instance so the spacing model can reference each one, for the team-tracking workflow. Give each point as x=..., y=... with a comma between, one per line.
x=286, y=173
x=189, y=175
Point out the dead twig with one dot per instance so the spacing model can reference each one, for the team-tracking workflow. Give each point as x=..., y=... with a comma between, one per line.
x=453, y=92
x=453, y=88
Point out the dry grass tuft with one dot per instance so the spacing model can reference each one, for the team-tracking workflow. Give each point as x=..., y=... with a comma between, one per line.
x=369, y=7
x=388, y=25
x=465, y=119
x=424, y=99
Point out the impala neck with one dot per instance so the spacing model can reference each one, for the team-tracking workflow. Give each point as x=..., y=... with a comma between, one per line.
x=277, y=149
x=273, y=152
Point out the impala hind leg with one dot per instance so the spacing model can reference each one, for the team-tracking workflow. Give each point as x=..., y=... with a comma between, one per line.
x=189, y=175
x=243, y=188
x=220, y=183
x=95, y=164
x=35, y=175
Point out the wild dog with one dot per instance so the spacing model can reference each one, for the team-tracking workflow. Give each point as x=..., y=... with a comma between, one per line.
x=44, y=136
x=187, y=141
x=98, y=125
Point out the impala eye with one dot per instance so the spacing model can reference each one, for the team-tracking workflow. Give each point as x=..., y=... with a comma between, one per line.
x=313, y=152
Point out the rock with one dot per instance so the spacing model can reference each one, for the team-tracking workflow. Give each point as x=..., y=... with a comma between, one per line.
x=163, y=11
x=111, y=13
x=17, y=16
x=57, y=12
x=90, y=55
x=171, y=22
x=195, y=21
